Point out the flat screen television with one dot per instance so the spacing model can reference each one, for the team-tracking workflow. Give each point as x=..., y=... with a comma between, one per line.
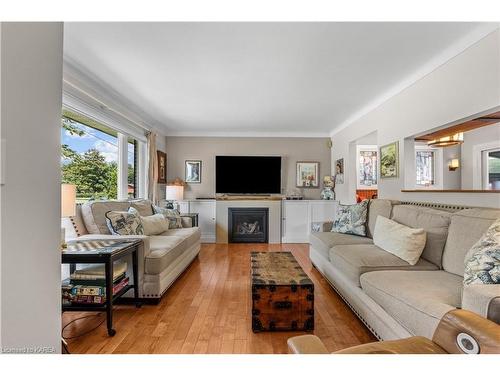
x=248, y=174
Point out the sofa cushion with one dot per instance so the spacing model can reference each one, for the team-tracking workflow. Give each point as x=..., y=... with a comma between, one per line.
x=173, y=216
x=154, y=224
x=405, y=242
x=355, y=260
x=482, y=262
x=164, y=250
x=324, y=241
x=124, y=223
x=377, y=207
x=351, y=219
x=466, y=228
x=434, y=222
x=417, y=299
x=189, y=235
x=94, y=213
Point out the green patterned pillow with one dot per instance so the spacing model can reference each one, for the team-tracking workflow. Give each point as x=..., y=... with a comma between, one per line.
x=173, y=216
x=124, y=222
x=351, y=219
x=482, y=262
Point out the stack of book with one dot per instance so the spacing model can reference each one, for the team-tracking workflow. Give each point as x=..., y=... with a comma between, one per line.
x=88, y=285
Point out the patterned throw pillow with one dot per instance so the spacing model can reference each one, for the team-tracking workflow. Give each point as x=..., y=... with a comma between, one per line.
x=124, y=222
x=482, y=262
x=351, y=219
x=173, y=217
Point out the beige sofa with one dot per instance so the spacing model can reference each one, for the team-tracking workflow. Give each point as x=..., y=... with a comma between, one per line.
x=162, y=258
x=394, y=299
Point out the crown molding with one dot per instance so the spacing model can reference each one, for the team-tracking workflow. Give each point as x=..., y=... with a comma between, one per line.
x=241, y=134
x=454, y=50
x=83, y=85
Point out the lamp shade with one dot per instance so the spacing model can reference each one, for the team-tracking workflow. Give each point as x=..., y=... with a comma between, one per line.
x=175, y=193
x=68, y=200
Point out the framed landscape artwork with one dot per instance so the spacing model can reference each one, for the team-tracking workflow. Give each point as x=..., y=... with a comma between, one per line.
x=389, y=160
x=307, y=174
x=339, y=171
x=193, y=171
x=162, y=167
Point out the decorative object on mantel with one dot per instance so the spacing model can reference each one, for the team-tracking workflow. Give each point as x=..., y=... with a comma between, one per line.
x=295, y=194
x=68, y=207
x=193, y=171
x=307, y=174
x=162, y=167
x=389, y=160
x=328, y=192
x=339, y=171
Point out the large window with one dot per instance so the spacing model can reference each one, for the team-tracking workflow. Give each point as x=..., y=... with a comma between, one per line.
x=90, y=158
x=425, y=165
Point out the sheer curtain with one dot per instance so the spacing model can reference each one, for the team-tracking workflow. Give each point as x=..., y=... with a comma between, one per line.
x=152, y=168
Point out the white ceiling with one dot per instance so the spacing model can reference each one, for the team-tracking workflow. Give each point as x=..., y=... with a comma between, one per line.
x=258, y=78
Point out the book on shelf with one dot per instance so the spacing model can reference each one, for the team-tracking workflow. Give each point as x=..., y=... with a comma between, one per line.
x=78, y=294
x=97, y=272
x=96, y=282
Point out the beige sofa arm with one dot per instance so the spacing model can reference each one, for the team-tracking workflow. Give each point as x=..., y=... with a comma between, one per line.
x=306, y=344
x=483, y=299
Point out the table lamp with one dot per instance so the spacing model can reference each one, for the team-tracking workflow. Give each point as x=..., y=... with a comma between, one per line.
x=175, y=193
x=68, y=207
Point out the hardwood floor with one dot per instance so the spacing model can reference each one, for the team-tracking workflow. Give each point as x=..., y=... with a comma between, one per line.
x=207, y=310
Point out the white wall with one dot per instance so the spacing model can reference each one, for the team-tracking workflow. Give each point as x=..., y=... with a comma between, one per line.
x=292, y=150
x=31, y=78
x=465, y=85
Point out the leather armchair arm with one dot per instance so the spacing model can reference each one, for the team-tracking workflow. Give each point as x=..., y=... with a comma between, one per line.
x=462, y=331
x=306, y=344
x=483, y=299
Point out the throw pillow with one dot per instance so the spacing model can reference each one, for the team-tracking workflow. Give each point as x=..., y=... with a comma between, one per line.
x=351, y=219
x=124, y=222
x=405, y=242
x=154, y=224
x=173, y=217
x=482, y=262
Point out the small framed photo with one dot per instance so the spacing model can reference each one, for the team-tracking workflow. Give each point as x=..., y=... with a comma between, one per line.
x=193, y=171
x=162, y=167
x=389, y=160
x=307, y=174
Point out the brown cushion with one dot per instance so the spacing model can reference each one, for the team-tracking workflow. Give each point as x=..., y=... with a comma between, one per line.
x=434, y=222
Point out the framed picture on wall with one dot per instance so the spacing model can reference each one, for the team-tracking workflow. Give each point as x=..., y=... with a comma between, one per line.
x=389, y=160
x=193, y=171
x=366, y=171
x=162, y=167
x=339, y=171
x=307, y=174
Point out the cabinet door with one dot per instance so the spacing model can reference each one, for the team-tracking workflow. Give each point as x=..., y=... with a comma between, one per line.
x=295, y=222
x=206, y=218
x=184, y=207
x=322, y=211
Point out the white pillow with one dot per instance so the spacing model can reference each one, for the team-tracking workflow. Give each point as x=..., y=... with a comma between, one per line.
x=154, y=224
x=404, y=242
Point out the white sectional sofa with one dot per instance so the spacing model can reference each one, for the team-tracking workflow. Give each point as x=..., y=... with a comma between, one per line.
x=397, y=300
x=162, y=258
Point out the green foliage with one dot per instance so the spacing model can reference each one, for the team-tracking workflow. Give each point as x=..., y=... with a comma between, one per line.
x=93, y=177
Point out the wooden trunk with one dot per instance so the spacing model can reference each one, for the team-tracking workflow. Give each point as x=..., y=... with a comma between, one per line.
x=282, y=294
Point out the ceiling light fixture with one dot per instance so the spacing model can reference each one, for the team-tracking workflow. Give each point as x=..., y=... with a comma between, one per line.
x=451, y=140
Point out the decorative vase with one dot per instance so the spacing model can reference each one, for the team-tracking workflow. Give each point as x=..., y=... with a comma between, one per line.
x=327, y=194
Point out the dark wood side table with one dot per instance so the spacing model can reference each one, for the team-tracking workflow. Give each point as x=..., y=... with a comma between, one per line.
x=193, y=216
x=103, y=252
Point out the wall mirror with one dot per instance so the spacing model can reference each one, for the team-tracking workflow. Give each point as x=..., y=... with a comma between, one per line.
x=463, y=156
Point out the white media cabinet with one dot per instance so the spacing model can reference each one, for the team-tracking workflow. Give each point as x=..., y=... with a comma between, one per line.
x=297, y=217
